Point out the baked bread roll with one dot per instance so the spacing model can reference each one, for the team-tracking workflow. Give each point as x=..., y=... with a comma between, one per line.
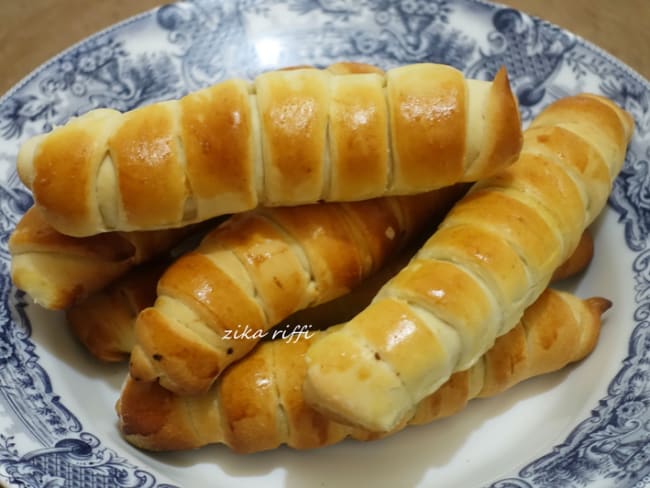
x=104, y=323
x=491, y=257
x=216, y=302
x=257, y=404
x=57, y=270
x=289, y=137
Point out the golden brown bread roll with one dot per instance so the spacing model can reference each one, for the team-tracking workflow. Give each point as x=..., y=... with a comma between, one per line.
x=257, y=404
x=105, y=321
x=57, y=270
x=290, y=137
x=216, y=302
x=490, y=258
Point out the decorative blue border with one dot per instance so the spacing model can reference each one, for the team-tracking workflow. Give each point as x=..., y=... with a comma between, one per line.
x=199, y=42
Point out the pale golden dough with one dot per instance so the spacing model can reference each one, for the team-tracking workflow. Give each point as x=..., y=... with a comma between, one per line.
x=303, y=135
x=216, y=302
x=257, y=404
x=57, y=270
x=491, y=257
x=104, y=322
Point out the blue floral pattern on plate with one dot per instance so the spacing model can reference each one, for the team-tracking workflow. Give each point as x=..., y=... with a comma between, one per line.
x=181, y=47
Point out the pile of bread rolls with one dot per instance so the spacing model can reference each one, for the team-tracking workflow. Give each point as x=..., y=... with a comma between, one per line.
x=319, y=253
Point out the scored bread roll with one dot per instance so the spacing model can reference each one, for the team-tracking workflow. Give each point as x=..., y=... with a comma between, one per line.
x=216, y=302
x=104, y=323
x=257, y=404
x=350, y=132
x=492, y=255
x=57, y=270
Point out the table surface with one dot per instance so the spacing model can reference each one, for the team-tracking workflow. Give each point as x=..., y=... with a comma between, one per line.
x=33, y=31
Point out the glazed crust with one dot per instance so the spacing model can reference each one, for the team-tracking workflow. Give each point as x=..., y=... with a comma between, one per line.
x=490, y=258
x=296, y=136
x=104, y=323
x=248, y=274
x=258, y=403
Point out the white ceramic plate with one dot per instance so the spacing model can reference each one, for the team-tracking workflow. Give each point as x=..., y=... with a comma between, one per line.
x=587, y=425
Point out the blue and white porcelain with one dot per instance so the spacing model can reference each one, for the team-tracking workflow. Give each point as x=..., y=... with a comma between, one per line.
x=588, y=425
